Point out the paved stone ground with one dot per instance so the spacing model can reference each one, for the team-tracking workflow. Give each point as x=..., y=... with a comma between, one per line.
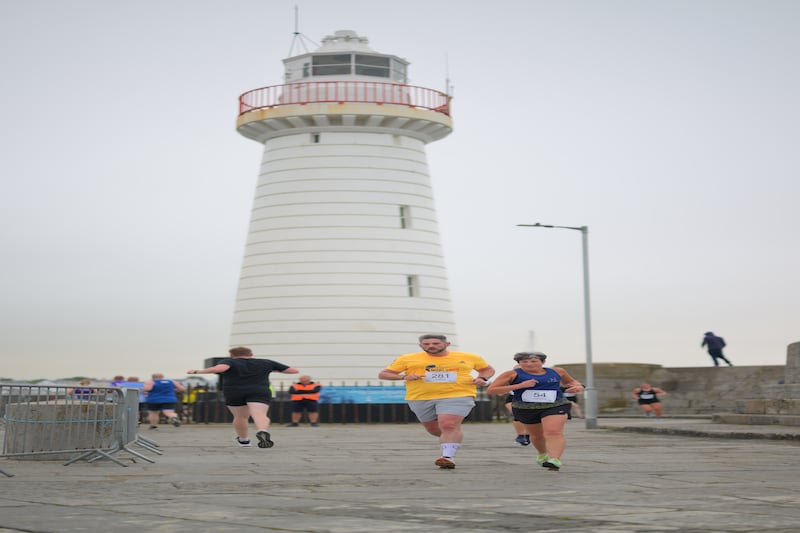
x=628, y=475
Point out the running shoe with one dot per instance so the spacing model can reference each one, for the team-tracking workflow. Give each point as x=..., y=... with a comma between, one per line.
x=552, y=464
x=522, y=440
x=527, y=439
x=292, y=425
x=263, y=439
x=445, y=462
x=541, y=458
x=242, y=443
x=175, y=421
x=314, y=425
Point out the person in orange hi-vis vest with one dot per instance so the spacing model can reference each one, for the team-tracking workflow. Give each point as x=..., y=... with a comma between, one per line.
x=305, y=398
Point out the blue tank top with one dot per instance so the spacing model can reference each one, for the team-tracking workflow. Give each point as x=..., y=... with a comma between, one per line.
x=163, y=392
x=546, y=393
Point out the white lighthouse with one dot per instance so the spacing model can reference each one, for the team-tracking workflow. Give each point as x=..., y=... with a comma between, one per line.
x=343, y=266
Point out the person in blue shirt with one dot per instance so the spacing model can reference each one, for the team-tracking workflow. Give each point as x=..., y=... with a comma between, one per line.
x=539, y=403
x=161, y=398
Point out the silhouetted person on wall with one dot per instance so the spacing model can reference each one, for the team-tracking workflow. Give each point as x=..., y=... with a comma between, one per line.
x=715, y=345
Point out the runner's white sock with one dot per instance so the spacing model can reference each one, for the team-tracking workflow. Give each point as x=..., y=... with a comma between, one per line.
x=449, y=449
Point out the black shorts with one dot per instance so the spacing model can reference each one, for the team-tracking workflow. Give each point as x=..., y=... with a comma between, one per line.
x=236, y=398
x=298, y=406
x=161, y=406
x=534, y=416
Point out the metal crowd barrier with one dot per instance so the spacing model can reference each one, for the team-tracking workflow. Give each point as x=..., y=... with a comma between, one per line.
x=130, y=418
x=55, y=422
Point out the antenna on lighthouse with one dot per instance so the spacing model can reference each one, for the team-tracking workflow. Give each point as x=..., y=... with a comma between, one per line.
x=298, y=38
x=448, y=89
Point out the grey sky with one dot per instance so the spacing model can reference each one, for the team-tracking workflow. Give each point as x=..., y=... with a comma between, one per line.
x=669, y=128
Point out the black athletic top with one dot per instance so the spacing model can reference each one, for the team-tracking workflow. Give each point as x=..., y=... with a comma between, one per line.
x=249, y=374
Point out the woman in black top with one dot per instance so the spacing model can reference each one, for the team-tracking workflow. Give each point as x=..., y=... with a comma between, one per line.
x=247, y=392
x=647, y=397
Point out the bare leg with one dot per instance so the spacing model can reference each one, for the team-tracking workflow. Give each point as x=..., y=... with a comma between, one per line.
x=446, y=427
x=537, y=437
x=313, y=417
x=432, y=427
x=153, y=416
x=241, y=416
x=259, y=413
x=553, y=429
x=451, y=428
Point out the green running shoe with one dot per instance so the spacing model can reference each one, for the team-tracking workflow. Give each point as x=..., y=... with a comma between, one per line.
x=552, y=464
x=541, y=458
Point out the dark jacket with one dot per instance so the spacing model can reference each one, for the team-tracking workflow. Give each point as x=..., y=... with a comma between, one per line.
x=713, y=342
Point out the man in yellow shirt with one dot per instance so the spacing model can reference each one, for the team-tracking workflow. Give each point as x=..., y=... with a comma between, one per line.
x=440, y=389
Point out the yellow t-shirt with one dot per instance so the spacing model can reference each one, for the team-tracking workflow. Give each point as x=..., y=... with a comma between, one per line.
x=448, y=376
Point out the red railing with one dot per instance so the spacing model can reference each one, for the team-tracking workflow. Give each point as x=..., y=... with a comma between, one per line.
x=344, y=92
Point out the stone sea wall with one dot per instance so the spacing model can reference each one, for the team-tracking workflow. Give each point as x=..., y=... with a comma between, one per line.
x=690, y=390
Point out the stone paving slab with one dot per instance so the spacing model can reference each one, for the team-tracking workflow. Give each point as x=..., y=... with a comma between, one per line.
x=374, y=478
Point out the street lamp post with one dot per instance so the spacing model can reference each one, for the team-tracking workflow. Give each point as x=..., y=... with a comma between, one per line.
x=590, y=394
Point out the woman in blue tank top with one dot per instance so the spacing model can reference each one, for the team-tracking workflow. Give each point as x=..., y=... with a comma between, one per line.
x=539, y=403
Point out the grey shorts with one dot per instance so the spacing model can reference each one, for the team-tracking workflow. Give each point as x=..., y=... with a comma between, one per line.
x=428, y=410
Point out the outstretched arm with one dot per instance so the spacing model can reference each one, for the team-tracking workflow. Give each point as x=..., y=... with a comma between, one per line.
x=216, y=369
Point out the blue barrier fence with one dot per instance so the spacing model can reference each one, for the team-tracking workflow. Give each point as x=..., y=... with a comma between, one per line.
x=362, y=394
